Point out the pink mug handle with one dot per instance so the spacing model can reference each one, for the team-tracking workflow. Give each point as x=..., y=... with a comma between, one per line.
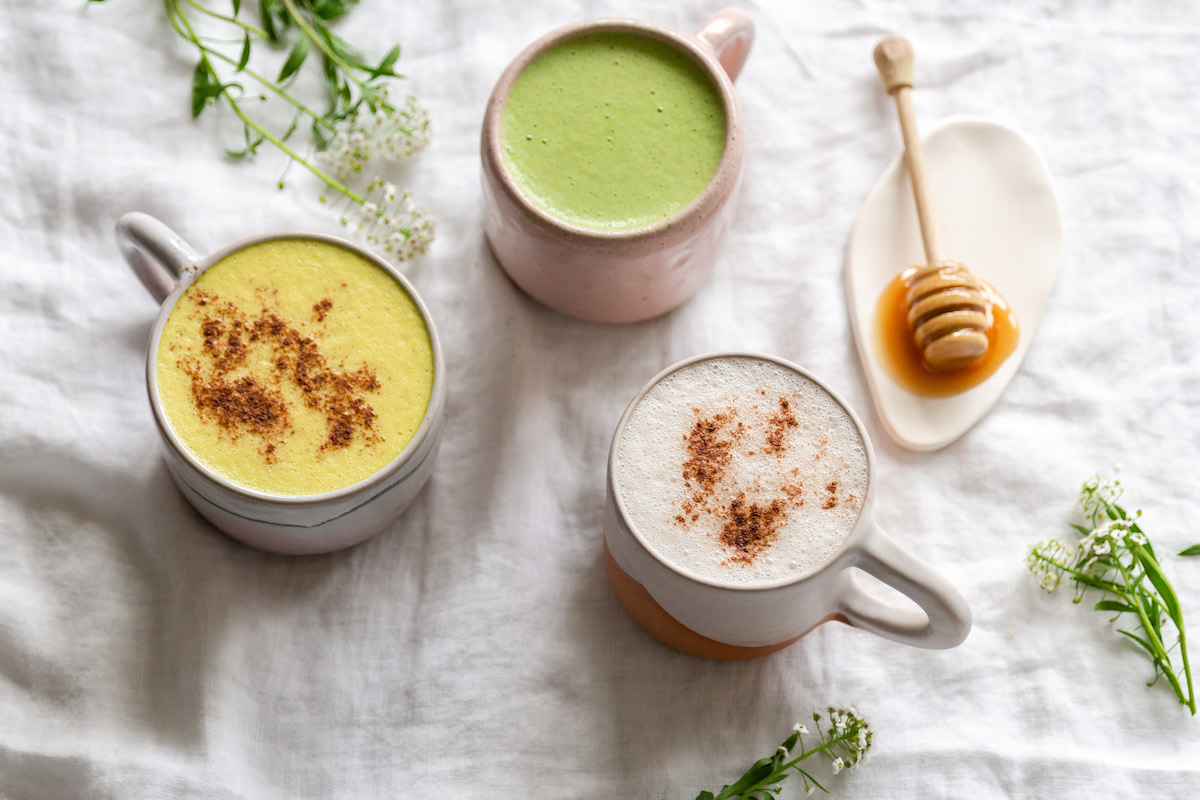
x=729, y=34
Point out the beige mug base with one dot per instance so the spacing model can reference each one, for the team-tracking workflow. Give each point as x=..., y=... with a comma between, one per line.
x=646, y=611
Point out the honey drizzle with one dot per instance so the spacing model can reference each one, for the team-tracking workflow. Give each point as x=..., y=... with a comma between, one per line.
x=901, y=360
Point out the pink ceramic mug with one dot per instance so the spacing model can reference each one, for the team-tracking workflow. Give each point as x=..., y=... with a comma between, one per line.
x=622, y=275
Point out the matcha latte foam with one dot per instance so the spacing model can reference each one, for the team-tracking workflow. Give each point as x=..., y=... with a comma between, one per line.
x=295, y=367
x=613, y=130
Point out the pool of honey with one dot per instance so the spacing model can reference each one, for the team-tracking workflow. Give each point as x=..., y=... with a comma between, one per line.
x=901, y=360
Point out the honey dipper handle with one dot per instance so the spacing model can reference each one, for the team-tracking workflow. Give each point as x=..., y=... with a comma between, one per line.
x=894, y=59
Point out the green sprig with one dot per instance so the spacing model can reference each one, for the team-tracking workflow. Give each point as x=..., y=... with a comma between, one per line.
x=1115, y=557
x=358, y=125
x=844, y=744
x=301, y=26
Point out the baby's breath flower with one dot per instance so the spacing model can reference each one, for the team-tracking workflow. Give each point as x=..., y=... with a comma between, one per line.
x=389, y=132
x=1045, y=559
x=1087, y=545
x=844, y=744
x=1098, y=493
x=1115, y=558
x=389, y=221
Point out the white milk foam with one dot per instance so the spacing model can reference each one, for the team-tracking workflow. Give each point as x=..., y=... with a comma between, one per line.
x=711, y=443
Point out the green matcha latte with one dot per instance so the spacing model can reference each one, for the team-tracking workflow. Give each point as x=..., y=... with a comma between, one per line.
x=613, y=130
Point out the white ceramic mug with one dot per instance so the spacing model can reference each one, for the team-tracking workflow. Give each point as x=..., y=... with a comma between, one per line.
x=294, y=525
x=728, y=620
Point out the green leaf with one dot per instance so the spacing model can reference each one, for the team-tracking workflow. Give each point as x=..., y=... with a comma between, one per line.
x=759, y=772
x=237, y=7
x=244, y=58
x=1194, y=550
x=1082, y=530
x=370, y=96
x=1148, y=647
x=295, y=59
x=205, y=86
x=1155, y=574
x=1113, y=605
x=706, y=795
x=332, y=9
x=274, y=19
x=385, y=65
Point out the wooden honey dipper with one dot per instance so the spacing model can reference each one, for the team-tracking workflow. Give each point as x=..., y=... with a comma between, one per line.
x=948, y=310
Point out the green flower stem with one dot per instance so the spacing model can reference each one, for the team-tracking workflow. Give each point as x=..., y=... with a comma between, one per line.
x=1187, y=670
x=1129, y=572
x=272, y=85
x=330, y=181
x=259, y=32
x=734, y=791
x=1080, y=576
x=303, y=25
x=178, y=17
x=1160, y=652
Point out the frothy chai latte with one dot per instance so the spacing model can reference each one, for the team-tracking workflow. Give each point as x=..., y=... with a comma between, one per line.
x=738, y=469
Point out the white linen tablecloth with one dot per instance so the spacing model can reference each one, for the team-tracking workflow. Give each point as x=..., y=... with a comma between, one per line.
x=475, y=649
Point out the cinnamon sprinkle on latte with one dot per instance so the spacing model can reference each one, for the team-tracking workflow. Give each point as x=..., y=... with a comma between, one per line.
x=256, y=404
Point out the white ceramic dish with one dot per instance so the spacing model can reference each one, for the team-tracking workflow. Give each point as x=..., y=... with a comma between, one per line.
x=996, y=212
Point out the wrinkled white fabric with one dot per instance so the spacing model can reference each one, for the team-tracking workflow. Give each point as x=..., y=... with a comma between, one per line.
x=475, y=649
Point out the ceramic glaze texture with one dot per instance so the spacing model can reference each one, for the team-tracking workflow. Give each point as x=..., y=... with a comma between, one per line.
x=630, y=274
x=998, y=214
x=295, y=367
x=714, y=617
x=290, y=524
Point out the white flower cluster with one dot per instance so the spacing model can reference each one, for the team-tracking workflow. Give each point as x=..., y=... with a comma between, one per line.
x=850, y=727
x=1110, y=533
x=389, y=221
x=1098, y=493
x=389, y=132
x=1046, y=560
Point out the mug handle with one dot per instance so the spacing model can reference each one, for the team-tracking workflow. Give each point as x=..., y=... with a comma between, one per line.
x=729, y=34
x=944, y=619
x=156, y=254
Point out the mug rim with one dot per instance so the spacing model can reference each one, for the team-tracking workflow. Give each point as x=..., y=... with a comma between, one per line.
x=704, y=204
x=848, y=544
x=370, y=482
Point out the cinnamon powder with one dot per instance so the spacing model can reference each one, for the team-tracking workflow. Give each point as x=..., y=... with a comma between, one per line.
x=778, y=426
x=257, y=405
x=751, y=528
